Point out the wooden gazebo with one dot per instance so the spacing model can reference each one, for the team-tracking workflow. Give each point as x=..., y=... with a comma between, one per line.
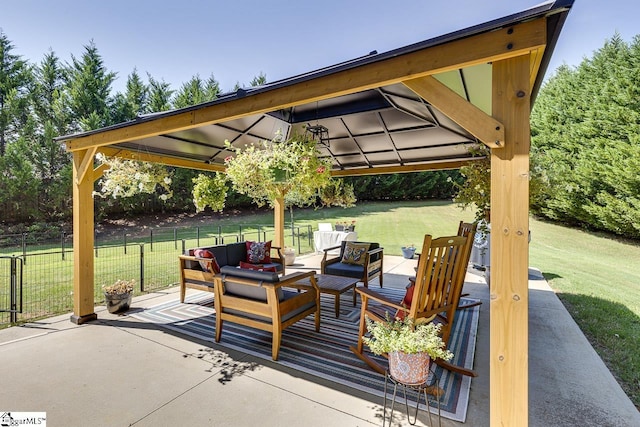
x=420, y=107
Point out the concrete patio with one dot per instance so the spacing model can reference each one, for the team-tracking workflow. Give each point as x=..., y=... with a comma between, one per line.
x=118, y=371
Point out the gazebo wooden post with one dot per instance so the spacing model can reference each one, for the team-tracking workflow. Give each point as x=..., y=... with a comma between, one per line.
x=83, y=178
x=509, y=305
x=278, y=222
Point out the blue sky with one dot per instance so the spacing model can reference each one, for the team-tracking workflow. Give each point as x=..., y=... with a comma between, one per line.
x=237, y=40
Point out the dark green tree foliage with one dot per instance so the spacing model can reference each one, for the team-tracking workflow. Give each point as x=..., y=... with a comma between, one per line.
x=50, y=118
x=160, y=94
x=133, y=102
x=196, y=91
x=89, y=88
x=15, y=78
x=586, y=141
x=405, y=186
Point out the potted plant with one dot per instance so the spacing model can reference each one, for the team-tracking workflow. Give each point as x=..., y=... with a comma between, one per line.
x=408, y=251
x=291, y=169
x=117, y=296
x=409, y=347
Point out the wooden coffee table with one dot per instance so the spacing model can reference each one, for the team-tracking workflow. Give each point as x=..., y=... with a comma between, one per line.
x=335, y=285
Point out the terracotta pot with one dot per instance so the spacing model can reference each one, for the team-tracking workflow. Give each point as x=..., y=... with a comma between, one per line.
x=409, y=368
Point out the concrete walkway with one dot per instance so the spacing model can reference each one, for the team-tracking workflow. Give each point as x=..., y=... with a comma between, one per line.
x=118, y=371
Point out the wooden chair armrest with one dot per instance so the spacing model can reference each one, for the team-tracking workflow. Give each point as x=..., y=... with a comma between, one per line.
x=368, y=293
x=376, y=251
x=326, y=252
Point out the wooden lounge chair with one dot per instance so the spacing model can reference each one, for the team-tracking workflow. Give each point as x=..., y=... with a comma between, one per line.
x=258, y=299
x=435, y=297
x=365, y=268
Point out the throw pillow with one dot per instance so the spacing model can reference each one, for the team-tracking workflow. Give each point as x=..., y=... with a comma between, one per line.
x=211, y=265
x=257, y=267
x=258, y=252
x=406, y=301
x=354, y=253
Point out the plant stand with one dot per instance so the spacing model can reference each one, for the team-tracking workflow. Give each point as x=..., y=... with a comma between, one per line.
x=430, y=387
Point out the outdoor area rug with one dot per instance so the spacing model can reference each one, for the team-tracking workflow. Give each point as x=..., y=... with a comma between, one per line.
x=325, y=354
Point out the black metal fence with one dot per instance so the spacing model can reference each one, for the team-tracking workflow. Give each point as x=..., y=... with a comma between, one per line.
x=36, y=278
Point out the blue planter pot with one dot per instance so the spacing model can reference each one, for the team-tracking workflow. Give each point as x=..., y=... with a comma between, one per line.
x=408, y=253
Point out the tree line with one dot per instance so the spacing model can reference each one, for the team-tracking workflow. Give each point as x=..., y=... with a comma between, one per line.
x=584, y=127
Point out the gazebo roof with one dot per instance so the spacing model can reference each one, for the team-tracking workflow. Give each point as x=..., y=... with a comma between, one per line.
x=402, y=112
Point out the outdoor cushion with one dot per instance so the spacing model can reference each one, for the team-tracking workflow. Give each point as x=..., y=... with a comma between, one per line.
x=285, y=295
x=258, y=252
x=235, y=252
x=207, y=265
x=258, y=267
x=342, y=269
x=355, y=253
x=264, y=276
x=406, y=301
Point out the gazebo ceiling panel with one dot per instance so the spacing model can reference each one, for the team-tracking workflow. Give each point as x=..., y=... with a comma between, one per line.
x=479, y=93
x=373, y=118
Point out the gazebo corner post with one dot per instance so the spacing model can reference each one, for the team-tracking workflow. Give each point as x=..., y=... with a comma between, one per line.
x=278, y=221
x=83, y=237
x=509, y=298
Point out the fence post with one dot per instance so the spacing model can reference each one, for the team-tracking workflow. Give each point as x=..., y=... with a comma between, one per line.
x=24, y=247
x=184, y=248
x=62, y=244
x=175, y=238
x=151, y=236
x=125, y=242
x=141, y=267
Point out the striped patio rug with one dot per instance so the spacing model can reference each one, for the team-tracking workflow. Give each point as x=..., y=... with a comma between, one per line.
x=325, y=354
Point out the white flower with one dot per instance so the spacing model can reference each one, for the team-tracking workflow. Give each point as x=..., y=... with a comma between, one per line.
x=167, y=180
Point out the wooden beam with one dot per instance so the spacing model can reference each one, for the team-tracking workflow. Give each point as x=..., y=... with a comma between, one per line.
x=83, y=298
x=509, y=297
x=475, y=121
x=382, y=170
x=477, y=49
x=99, y=171
x=87, y=163
x=164, y=160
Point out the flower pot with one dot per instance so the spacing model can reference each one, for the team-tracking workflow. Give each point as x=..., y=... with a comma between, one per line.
x=409, y=368
x=408, y=253
x=117, y=303
x=289, y=256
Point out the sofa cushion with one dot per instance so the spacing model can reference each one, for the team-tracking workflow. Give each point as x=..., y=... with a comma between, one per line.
x=258, y=267
x=355, y=253
x=342, y=269
x=262, y=276
x=212, y=265
x=219, y=252
x=284, y=295
x=257, y=293
x=258, y=252
x=235, y=252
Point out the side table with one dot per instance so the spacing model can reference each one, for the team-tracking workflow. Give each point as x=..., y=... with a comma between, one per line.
x=430, y=387
x=334, y=285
